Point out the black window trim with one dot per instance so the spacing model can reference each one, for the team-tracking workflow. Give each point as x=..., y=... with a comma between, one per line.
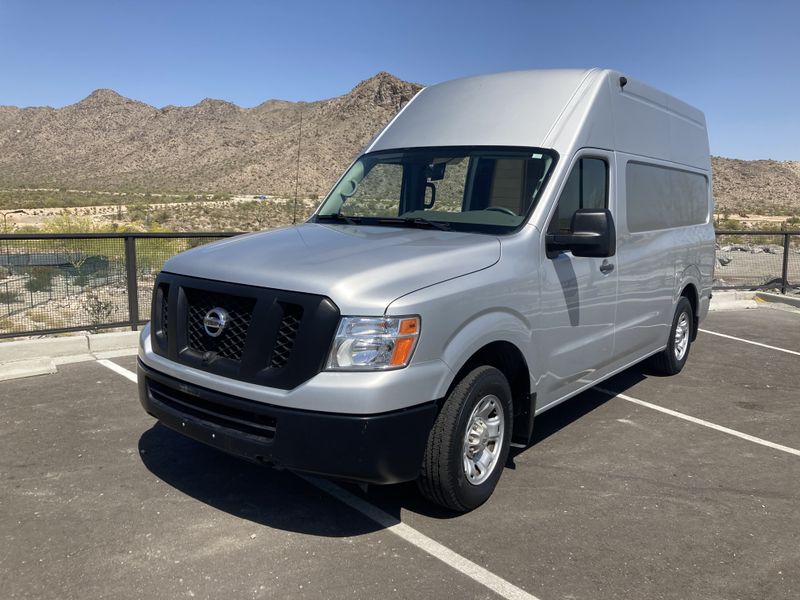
x=579, y=156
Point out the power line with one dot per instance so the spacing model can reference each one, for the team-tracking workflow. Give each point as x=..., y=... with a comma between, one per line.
x=297, y=171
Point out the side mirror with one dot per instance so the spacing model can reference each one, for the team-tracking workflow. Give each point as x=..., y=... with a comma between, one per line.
x=592, y=234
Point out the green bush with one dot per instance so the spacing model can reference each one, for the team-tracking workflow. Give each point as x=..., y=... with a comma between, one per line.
x=729, y=224
x=41, y=279
x=7, y=297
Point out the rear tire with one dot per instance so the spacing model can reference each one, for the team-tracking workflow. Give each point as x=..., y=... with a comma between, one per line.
x=468, y=444
x=671, y=360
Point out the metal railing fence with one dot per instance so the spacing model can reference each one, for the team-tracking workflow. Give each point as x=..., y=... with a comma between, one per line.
x=56, y=283
x=755, y=260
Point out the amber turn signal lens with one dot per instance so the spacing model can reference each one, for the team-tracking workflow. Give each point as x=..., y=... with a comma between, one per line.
x=405, y=345
x=409, y=327
x=402, y=351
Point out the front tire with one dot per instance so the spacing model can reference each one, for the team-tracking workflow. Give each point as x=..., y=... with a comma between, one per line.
x=671, y=360
x=468, y=444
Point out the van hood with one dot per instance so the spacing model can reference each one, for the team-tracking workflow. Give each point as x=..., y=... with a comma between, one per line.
x=361, y=268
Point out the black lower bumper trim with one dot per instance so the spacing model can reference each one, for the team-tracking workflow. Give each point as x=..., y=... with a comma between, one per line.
x=382, y=448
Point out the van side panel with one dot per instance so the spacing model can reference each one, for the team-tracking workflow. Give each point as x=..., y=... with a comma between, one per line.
x=694, y=257
x=645, y=291
x=657, y=262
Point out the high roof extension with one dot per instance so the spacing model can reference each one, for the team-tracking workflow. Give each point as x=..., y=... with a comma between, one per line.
x=562, y=109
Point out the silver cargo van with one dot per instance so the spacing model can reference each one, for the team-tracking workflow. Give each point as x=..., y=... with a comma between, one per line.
x=505, y=242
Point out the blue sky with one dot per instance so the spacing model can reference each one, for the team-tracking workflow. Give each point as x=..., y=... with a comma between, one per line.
x=737, y=61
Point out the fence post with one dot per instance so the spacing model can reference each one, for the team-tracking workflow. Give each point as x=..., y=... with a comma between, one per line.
x=785, y=269
x=133, y=287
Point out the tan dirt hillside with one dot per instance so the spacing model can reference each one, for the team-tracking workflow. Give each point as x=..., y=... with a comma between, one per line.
x=765, y=187
x=108, y=142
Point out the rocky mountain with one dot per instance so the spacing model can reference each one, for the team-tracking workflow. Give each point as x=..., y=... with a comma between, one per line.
x=764, y=187
x=106, y=141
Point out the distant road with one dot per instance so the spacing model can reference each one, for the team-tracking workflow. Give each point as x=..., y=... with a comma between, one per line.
x=106, y=193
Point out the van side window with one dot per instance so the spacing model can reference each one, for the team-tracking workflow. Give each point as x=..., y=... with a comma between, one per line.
x=661, y=198
x=586, y=187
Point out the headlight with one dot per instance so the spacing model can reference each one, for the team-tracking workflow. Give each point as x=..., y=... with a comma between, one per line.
x=373, y=343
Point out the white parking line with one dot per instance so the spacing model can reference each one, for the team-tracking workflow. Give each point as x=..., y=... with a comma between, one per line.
x=710, y=425
x=118, y=370
x=738, y=339
x=474, y=571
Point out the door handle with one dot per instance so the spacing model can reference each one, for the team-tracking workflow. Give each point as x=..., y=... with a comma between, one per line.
x=606, y=267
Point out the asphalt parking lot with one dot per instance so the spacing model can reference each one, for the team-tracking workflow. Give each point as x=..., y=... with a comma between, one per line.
x=614, y=498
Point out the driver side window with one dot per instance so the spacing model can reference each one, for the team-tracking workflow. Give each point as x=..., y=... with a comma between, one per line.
x=586, y=187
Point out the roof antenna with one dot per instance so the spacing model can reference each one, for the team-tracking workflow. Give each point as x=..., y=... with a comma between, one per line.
x=297, y=171
x=623, y=81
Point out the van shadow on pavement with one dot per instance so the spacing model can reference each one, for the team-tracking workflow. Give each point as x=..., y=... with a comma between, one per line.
x=283, y=501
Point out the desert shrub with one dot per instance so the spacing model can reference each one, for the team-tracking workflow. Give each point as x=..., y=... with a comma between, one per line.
x=45, y=319
x=98, y=309
x=151, y=253
x=195, y=242
x=7, y=325
x=729, y=224
x=41, y=279
x=8, y=297
x=69, y=223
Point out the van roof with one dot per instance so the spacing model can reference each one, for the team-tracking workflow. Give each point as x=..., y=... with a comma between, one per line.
x=562, y=109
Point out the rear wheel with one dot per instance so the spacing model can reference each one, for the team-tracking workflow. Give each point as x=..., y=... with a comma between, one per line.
x=670, y=361
x=468, y=444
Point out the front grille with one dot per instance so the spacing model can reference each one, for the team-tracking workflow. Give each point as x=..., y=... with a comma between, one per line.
x=274, y=338
x=165, y=312
x=231, y=417
x=231, y=343
x=284, y=342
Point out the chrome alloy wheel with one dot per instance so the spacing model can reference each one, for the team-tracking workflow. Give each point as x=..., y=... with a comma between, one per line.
x=484, y=439
x=682, y=334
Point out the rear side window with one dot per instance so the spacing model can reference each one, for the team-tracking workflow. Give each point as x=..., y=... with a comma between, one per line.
x=661, y=198
x=586, y=187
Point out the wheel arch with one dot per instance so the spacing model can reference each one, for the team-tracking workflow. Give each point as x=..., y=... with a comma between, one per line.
x=689, y=291
x=506, y=357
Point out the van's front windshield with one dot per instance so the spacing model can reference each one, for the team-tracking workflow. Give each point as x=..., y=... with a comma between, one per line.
x=480, y=189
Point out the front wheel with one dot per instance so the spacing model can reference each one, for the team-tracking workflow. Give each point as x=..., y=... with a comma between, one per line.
x=468, y=444
x=671, y=360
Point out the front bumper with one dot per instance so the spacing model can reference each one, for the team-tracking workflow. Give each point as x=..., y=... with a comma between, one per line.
x=380, y=448
x=343, y=392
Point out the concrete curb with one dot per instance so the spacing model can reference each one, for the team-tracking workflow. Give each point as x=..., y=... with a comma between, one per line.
x=26, y=358
x=48, y=347
x=779, y=298
x=732, y=300
x=27, y=368
x=118, y=340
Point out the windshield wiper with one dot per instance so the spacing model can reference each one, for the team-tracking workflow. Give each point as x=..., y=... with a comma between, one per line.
x=416, y=222
x=338, y=217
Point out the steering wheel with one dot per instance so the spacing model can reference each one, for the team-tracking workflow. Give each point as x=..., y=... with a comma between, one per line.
x=502, y=209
